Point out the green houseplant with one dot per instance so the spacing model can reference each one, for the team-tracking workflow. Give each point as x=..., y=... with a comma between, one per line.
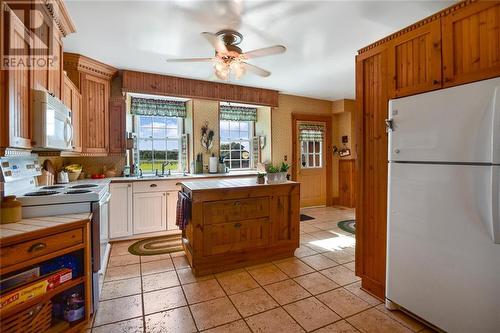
x=277, y=174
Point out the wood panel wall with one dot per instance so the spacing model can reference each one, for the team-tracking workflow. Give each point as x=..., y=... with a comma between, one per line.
x=458, y=45
x=147, y=83
x=347, y=187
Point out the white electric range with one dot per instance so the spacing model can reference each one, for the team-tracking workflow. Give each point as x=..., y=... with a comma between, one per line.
x=19, y=173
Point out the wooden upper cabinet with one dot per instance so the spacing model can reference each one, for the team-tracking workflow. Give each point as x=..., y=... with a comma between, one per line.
x=73, y=100
x=41, y=44
x=414, y=61
x=471, y=43
x=18, y=85
x=93, y=78
x=95, y=122
x=117, y=125
x=56, y=72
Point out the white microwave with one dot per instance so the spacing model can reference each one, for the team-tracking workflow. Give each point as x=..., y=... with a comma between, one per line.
x=51, y=129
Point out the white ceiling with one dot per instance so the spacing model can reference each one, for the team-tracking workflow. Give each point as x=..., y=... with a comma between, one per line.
x=322, y=37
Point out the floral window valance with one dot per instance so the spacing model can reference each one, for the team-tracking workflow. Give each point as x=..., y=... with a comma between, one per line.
x=311, y=132
x=157, y=107
x=239, y=113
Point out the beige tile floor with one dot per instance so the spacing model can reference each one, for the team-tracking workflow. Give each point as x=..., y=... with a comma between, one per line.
x=315, y=291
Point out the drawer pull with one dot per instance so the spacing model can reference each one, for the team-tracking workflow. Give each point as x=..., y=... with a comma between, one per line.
x=237, y=225
x=237, y=203
x=37, y=247
x=153, y=185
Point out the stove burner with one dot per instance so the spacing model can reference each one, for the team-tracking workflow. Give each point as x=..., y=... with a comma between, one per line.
x=85, y=186
x=77, y=191
x=40, y=193
x=53, y=187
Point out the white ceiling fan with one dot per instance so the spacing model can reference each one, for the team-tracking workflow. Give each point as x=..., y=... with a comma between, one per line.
x=229, y=58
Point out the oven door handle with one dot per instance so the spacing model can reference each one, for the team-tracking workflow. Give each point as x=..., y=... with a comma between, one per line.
x=105, y=199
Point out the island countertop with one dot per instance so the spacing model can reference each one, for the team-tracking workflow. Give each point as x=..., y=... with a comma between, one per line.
x=214, y=184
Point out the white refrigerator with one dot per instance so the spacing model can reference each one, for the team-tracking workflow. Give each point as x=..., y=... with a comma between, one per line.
x=443, y=232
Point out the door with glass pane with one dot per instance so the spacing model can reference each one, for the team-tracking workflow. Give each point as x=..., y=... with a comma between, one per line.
x=311, y=168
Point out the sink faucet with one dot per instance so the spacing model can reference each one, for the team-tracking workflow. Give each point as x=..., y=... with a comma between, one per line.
x=163, y=165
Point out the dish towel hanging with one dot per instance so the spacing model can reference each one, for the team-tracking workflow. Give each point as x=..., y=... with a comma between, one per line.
x=183, y=210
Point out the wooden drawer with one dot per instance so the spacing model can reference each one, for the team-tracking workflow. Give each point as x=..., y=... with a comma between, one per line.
x=14, y=254
x=235, y=210
x=155, y=186
x=236, y=236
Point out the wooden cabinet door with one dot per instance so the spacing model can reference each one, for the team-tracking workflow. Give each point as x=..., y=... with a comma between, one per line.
x=371, y=168
x=236, y=236
x=414, y=61
x=172, y=210
x=117, y=118
x=150, y=212
x=41, y=48
x=19, y=42
x=285, y=208
x=471, y=43
x=56, y=70
x=72, y=99
x=95, y=116
x=120, y=210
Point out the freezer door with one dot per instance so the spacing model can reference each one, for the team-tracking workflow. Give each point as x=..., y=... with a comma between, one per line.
x=459, y=124
x=442, y=263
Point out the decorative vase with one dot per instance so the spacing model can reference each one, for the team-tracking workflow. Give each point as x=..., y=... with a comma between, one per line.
x=276, y=178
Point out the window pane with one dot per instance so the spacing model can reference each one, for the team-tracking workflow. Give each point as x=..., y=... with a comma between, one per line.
x=234, y=126
x=245, y=164
x=304, y=161
x=311, y=160
x=159, y=145
x=235, y=164
x=145, y=132
x=159, y=156
x=158, y=133
x=173, y=155
x=172, y=122
x=244, y=135
x=224, y=134
x=159, y=122
x=224, y=154
x=244, y=126
x=225, y=145
x=318, y=163
x=310, y=146
x=316, y=147
x=224, y=125
x=145, y=144
x=172, y=133
x=145, y=121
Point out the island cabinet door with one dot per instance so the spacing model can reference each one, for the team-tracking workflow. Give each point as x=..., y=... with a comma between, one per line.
x=285, y=218
x=150, y=212
x=236, y=236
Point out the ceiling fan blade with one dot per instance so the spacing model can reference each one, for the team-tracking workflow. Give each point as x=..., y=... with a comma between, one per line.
x=266, y=51
x=215, y=41
x=256, y=70
x=190, y=60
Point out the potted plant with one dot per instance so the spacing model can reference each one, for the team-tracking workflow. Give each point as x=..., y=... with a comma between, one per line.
x=277, y=174
x=261, y=178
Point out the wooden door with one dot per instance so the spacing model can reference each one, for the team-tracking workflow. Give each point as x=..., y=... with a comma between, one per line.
x=172, y=210
x=150, y=212
x=471, y=43
x=95, y=116
x=117, y=129
x=19, y=84
x=414, y=61
x=120, y=210
x=235, y=236
x=371, y=168
x=311, y=169
x=346, y=183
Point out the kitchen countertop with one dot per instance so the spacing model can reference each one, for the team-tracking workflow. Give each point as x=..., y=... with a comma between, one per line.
x=227, y=183
x=38, y=223
x=181, y=177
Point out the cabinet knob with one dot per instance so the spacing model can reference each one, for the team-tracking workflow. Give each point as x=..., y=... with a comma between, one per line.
x=237, y=203
x=237, y=225
x=153, y=185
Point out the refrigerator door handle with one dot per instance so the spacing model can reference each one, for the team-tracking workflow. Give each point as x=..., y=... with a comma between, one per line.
x=495, y=204
x=495, y=132
x=389, y=125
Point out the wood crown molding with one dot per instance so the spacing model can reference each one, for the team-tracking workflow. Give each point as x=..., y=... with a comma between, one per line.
x=417, y=25
x=61, y=17
x=74, y=61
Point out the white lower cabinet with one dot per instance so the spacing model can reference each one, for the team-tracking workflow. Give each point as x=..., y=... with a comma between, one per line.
x=142, y=207
x=150, y=212
x=120, y=210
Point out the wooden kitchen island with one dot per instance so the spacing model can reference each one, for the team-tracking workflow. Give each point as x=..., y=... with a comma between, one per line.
x=237, y=222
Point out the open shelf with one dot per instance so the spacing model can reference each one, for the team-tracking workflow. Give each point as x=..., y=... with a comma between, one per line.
x=42, y=298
